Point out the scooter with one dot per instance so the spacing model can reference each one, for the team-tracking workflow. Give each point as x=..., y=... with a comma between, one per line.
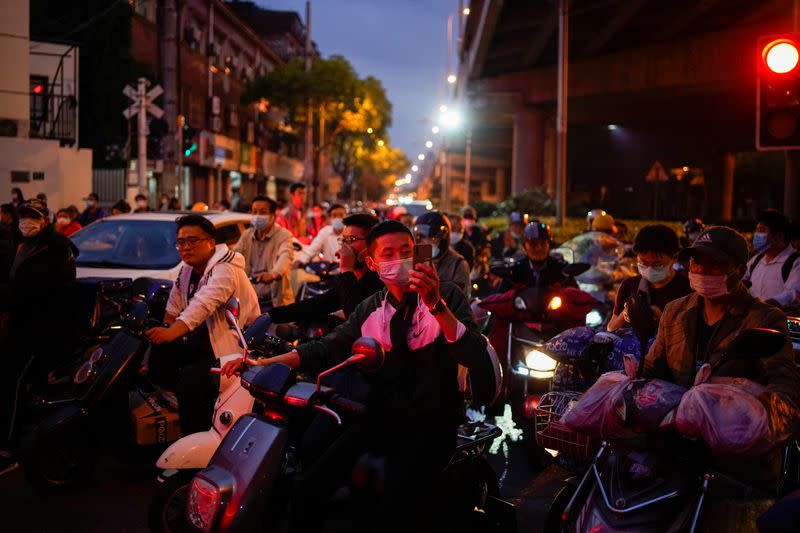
x=666, y=490
x=246, y=485
x=189, y=454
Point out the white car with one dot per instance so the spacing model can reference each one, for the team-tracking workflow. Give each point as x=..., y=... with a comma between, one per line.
x=139, y=245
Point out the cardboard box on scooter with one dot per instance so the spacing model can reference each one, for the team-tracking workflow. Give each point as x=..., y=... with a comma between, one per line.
x=154, y=420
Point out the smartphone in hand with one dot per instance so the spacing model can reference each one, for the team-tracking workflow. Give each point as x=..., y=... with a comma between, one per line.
x=423, y=253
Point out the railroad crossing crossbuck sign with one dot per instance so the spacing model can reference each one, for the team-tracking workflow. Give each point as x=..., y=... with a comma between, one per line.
x=151, y=95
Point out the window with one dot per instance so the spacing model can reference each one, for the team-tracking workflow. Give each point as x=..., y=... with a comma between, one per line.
x=130, y=244
x=38, y=176
x=20, y=176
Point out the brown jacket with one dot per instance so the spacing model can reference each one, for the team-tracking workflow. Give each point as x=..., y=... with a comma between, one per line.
x=673, y=358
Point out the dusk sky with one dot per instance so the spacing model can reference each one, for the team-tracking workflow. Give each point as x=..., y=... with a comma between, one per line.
x=400, y=42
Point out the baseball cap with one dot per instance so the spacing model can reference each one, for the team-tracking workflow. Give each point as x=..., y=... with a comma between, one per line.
x=721, y=243
x=33, y=208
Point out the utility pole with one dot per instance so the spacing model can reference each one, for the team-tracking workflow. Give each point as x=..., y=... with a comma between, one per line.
x=467, y=165
x=141, y=159
x=310, y=173
x=561, y=111
x=169, y=182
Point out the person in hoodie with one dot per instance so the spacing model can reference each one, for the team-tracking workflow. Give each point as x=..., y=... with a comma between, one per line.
x=197, y=331
x=41, y=285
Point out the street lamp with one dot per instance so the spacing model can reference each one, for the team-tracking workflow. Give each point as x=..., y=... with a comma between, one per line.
x=435, y=130
x=451, y=78
x=369, y=130
x=466, y=11
x=451, y=119
x=429, y=144
x=414, y=168
x=442, y=108
x=381, y=143
x=421, y=157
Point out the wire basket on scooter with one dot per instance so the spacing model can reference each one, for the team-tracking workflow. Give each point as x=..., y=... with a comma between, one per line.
x=554, y=435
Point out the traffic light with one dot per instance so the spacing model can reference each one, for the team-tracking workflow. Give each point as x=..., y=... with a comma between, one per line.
x=778, y=92
x=189, y=141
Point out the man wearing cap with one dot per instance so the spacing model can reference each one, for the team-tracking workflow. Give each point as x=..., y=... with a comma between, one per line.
x=699, y=328
x=40, y=292
x=92, y=212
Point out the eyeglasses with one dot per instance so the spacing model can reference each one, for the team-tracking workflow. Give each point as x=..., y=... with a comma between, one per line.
x=350, y=239
x=188, y=243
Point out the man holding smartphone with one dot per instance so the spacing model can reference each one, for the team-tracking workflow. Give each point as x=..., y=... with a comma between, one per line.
x=426, y=329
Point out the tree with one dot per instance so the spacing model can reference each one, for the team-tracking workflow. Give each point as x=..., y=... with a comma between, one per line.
x=355, y=112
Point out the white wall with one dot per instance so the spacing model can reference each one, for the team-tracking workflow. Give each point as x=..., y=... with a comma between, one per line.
x=14, y=49
x=67, y=171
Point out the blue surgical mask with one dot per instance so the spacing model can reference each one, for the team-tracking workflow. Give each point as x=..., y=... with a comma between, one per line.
x=337, y=224
x=435, y=250
x=261, y=222
x=760, y=241
x=456, y=237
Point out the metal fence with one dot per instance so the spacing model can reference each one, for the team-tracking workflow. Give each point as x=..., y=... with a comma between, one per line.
x=109, y=184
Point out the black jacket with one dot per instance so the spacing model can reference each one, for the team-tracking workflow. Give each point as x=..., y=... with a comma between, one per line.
x=523, y=274
x=466, y=250
x=348, y=291
x=42, y=287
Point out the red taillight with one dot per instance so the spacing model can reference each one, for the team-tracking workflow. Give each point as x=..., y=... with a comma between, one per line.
x=531, y=403
x=203, y=503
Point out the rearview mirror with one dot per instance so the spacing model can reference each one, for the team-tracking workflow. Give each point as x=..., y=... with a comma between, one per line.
x=368, y=354
x=232, y=312
x=756, y=343
x=575, y=269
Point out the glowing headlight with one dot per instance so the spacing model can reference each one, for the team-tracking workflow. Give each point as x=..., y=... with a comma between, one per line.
x=555, y=303
x=594, y=318
x=541, y=364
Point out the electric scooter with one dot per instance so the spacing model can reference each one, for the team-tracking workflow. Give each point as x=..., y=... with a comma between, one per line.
x=190, y=454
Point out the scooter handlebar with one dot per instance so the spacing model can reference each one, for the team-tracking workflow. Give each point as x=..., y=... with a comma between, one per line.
x=346, y=404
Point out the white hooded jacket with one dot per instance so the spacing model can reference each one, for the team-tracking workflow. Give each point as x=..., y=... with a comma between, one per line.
x=224, y=277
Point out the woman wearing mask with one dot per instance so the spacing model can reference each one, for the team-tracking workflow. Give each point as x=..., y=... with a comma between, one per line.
x=64, y=223
x=327, y=240
x=656, y=249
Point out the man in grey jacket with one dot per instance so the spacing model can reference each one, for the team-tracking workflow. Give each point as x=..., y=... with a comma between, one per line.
x=268, y=253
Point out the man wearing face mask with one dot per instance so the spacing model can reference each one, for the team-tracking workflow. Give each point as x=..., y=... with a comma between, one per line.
x=41, y=286
x=414, y=407
x=92, y=212
x=540, y=269
x=774, y=272
x=699, y=328
x=354, y=283
x=326, y=240
x=459, y=240
x=434, y=229
x=656, y=249
x=268, y=251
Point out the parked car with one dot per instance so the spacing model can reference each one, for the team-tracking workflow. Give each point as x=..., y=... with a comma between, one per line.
x=143, y=244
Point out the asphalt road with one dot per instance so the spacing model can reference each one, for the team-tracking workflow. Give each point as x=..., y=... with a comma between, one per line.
x=117, y=498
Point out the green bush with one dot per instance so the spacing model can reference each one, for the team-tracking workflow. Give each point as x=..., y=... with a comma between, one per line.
x=535, y=202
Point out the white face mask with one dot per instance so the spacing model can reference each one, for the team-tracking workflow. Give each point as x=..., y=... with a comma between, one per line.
x=142, y=203
x=708, y=285
x=654, y=274
x=435, y=251
x=456, y=237
x=62, y=221
x=337, y=224
x=396, y=272
x=29, y=227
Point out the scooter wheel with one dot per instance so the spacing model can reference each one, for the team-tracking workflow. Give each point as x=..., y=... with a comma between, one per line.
x=59, y=464
x=167, y=512
x=552, y=522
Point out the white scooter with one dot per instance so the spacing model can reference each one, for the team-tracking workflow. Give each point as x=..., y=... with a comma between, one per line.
x=192, y=453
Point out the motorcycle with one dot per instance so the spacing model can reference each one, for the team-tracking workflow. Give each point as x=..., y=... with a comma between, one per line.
x=529, y=316
x=666, y=489
x=191, y=453
x=323, y=270
x=246, y=485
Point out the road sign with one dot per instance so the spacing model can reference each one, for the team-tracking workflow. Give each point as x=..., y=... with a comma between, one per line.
x=152, y=108
x=131, y=93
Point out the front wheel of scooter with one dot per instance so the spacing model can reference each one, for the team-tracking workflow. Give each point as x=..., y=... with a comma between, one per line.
x=552, y=522
x=59, y=464
x=167, y=512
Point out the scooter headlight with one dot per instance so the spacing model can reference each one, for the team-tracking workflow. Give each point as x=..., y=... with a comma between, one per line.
x=541, y=365
x=594, y=318
x=555, y=303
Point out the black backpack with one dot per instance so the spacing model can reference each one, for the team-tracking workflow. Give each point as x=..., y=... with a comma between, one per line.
x=786, y=269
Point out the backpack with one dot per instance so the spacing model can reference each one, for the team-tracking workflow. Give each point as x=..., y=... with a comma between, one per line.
x=786, y=269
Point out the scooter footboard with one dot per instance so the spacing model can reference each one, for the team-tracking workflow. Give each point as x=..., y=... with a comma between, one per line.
x=244, y=470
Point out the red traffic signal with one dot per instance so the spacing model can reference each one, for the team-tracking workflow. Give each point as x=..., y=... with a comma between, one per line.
x=780, y=56
x=778, y=92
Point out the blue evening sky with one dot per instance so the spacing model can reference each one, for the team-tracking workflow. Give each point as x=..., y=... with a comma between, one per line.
x=400, y=42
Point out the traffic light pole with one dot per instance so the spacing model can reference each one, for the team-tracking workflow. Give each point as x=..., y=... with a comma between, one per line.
x=561, y=112
x=791, y=183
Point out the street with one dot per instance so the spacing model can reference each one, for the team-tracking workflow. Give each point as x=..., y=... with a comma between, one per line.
x=118, y=497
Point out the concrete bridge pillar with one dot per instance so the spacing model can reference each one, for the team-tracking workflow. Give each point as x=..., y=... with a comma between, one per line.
x=528, y=152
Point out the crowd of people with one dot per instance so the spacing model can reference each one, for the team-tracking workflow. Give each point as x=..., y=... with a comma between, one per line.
x=694, y=292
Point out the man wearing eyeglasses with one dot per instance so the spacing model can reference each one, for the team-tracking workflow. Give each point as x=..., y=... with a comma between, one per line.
x=198, y=332
x=352, y=286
